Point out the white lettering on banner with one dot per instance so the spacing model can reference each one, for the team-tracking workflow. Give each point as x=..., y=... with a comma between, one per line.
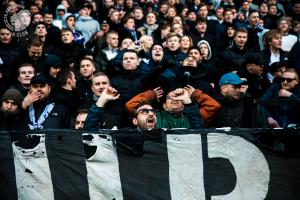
x=251, y=168
x=103, y=169
x=185, y=167
x=33, y=175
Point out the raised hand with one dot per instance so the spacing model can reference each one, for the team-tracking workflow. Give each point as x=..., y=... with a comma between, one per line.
x=159, y=93
x=108, y=94
x=190, y=89
x=30, y=99
x=182, y=95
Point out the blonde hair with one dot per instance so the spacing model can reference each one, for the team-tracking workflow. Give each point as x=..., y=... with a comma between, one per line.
x=143, y=39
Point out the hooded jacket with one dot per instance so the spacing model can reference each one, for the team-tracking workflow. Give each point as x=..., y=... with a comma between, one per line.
x=87, y=26
x=58, y=20
x=78, y=37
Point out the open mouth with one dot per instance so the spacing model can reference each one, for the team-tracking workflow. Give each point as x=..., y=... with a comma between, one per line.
x=150, y=122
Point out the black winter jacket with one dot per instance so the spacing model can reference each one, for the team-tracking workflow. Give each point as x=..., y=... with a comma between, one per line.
x=232, y=59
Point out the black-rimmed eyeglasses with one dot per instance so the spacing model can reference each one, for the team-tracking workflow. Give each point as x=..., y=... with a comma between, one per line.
x=146, y=111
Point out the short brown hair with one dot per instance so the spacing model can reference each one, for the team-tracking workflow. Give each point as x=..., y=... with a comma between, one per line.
x=268, y=36
x=292, y=70
x=240, y=30
x=172, y=34
x=36, y=42
x=97, y=74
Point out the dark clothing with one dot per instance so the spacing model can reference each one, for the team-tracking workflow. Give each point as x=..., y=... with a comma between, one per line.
x=232, y=113
x=283, y=59
x=212, y=74
x=253, y=41
x=99, y=118
x=67, y=98
x=294, y=57
x=138, y=23
x=53, y=34
x=94, y=119
x=39, y=65
x=208, y=36
x=196, y=77
x=157, y=36
x=128, y=84
x=24, y=91
x=226, y=42
x=126, y=33
x=176, y=57
x=162, y=75
x=70, y=54
x=14, y=122
x=284, y=113
x=257, y=85
x=58, y=118
x=102, y=63
x=49, y=47
x=98, y=43
x=85, y=93
x=271, y=21
x=232, y=59
x=10, y=54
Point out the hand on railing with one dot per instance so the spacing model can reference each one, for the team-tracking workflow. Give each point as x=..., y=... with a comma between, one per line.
x=273, y=123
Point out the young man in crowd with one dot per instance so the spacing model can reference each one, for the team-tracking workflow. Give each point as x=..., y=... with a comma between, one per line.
x=87, y=70
x=80, y=118
x=11, y=112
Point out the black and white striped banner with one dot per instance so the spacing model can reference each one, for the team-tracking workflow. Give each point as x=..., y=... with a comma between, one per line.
x=150, y=165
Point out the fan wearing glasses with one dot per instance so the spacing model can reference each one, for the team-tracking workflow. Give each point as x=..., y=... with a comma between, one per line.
x=182, y=108
x=145, y=116
x=284, y=114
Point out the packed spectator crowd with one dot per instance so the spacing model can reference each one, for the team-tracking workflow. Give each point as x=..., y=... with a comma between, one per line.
x=103, y=64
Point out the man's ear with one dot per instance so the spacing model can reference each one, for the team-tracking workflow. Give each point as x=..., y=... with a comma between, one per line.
x=134, y=121
x=68, y=81
x=92, y=88
x=223, y=88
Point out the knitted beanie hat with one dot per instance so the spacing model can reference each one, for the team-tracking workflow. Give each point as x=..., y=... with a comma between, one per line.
x=13, y=94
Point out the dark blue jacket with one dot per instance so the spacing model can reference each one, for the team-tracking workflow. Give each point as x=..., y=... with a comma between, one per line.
x=283, y=113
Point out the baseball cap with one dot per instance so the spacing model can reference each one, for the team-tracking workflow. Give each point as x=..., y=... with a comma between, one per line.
x=39, y=79
x=230, y=78
x=86, y=5
x=104, y=21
